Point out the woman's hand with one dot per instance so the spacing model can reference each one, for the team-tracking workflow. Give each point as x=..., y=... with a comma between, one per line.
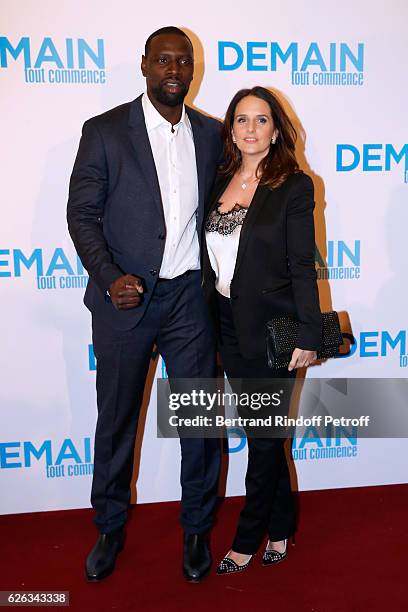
x=301, y=359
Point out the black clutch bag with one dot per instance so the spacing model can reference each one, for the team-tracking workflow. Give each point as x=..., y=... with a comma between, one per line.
x=281, y=336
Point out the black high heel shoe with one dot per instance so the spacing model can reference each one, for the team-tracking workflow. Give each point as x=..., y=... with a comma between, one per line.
x=228, y=566
x=272, y=556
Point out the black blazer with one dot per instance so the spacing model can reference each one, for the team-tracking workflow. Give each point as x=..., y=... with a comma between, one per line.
x=275, y=269
x=115, y=213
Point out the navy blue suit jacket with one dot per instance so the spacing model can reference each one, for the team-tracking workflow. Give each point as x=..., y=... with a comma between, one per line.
x=115, y=213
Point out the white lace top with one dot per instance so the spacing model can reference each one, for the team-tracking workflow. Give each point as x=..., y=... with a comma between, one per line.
x=222, y=231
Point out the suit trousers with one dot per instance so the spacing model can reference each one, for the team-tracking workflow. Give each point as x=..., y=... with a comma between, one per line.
x=176, y=321
x=269, y=504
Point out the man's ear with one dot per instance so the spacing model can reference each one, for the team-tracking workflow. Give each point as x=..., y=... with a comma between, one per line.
x=143, y=65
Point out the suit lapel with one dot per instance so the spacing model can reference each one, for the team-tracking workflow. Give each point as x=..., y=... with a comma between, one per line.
x=199, y=146
x=258, y=200
x=220, y=185
x=141, y=144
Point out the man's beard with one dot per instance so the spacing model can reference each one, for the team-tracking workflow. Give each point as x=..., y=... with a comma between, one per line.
x=169, y=99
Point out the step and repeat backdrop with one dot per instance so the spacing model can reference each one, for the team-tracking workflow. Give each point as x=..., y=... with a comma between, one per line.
x=340, y=71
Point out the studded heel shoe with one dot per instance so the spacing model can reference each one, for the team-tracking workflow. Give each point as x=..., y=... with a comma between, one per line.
x=272, y=556
x=228, y=566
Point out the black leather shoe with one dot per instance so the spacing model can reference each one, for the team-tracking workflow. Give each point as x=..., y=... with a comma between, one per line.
x=272, y=556
x=101, y=560
x=197, y=558
x=228, y=566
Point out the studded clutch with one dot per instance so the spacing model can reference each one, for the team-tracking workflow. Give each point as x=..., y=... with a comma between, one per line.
x=281, y=338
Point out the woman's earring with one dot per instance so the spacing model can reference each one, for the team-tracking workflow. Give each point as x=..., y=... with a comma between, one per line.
x=273, y=140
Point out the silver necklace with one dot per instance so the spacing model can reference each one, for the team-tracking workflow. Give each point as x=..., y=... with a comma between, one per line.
x=246, y=184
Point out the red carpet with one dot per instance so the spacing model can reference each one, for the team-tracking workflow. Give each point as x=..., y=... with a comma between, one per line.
x=350, y=556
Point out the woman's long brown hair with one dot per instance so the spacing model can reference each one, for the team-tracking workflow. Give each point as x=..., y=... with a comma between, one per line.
x=280, y=161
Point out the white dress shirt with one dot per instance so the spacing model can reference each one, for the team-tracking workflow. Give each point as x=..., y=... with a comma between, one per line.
x=175, y=160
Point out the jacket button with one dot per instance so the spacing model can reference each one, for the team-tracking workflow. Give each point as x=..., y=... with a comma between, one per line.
x=153, y=272
x=161, y=236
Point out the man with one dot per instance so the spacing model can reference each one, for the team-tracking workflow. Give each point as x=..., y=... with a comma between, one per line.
x=135, y=212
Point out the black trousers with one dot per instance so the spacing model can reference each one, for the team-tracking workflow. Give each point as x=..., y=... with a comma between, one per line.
x=269, y=505
x=176, y=320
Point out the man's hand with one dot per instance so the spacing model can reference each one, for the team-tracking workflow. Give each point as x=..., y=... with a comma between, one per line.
x=301, y=359
x=126, y=292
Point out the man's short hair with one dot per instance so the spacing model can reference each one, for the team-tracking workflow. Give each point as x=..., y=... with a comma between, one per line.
x=165, y=30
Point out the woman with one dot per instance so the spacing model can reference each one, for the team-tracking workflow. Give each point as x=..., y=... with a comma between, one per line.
x=259, y=263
